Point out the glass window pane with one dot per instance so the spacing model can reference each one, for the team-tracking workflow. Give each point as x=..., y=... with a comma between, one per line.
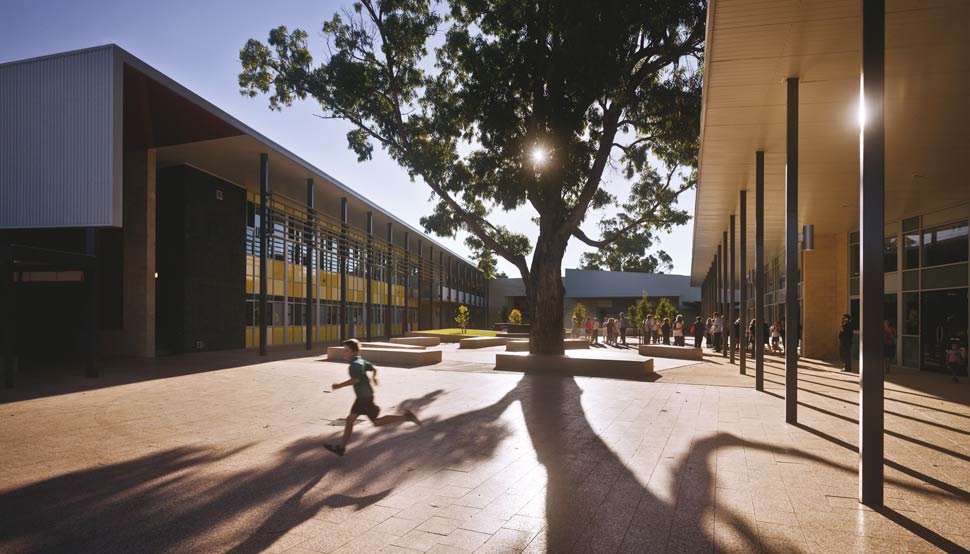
x=853, y=259
x=854, y=286
x=911, y=251
x=910, y=280
x=910, y=351
x=946, y=244
x=911, y=224
x=945, y=277
x=911, y=314
x=889, y=255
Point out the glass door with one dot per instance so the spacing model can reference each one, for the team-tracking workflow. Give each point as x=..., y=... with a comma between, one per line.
x=943, y=320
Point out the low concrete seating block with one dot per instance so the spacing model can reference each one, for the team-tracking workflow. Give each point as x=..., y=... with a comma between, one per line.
x=417, y=341
x=481, y=342
x=586, y=365
x=522, y=345
x=398, y=346
x=675, y=352
x=394, y=357
x=513, y=335
x=439, y=336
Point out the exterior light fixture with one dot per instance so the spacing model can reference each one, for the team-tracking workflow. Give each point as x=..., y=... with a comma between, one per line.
x=808, y=237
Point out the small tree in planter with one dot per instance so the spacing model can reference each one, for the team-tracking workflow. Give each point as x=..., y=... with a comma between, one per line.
x=515, y=317
x=579, y=316
x=463, y=318
x=666, y=309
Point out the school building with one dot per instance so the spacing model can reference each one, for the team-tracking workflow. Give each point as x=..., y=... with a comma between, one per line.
x=602, y=293
x=138, y=219
x=833, y=179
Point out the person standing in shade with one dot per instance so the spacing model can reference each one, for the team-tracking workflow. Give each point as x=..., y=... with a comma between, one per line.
x=665, y=330
x=845, y=342
x=624, y=323
x=697, y=331
x=364, y=405
x=588, y=326
x=596, y=331
x=716, y=331
x=679, y=330
x=956, y=358
x=888, y=343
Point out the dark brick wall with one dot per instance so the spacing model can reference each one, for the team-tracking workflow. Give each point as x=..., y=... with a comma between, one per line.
x=200, y=257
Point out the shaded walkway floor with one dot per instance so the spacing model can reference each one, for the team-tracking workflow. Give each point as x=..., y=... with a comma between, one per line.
x=231, y=460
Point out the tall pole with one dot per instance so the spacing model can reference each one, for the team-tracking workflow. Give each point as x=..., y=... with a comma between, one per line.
x=263, y=245
x=759, y=268
x=732, y=284
x=726, y=323
x=342, y=252
x=309, y=316
x=390, y=280
x=871, y=229
x=441, y=289
x=369, y=294
x=8, y=311
x=407, y=282
x=420, y=323
x=743, y=273
x=791, y=255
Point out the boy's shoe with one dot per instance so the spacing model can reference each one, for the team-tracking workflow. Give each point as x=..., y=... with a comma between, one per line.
x=336, y=449
x=412, y=418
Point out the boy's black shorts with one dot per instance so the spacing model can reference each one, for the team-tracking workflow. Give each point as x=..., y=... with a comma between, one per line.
x=366, y=407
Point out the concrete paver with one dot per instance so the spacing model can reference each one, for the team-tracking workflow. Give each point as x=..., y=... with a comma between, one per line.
x=223, y=452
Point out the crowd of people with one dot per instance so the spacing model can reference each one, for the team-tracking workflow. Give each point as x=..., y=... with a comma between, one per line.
x=654, y=330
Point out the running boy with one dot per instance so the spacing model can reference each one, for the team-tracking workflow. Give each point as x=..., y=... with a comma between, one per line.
x=364, y=405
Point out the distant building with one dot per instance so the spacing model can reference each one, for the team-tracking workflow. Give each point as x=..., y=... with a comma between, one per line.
x=603, y=293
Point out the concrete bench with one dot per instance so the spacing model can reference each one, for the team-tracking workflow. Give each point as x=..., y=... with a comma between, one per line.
x=522, y=345
x=675, y=352
x=441, y=338
x=417, y=341
x=513, y=335
x=481, y=342
x=588, y=365
x=394, y=357
x=369, y=345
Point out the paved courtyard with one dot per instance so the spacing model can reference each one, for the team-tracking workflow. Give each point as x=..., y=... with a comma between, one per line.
x=216, y=453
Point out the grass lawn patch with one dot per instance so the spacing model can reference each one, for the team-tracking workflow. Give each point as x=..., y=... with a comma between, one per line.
x=468, y=332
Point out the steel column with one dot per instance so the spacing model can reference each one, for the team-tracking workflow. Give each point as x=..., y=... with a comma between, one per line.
x=309, y=317
x=742, y=272
x=93, y=287
x=726, y=323
x=441, y=289
x=263, y=245
x=732, y=284
x=759, y=268
x=791, y=255
x=8, y=311
x=390, y=280
x=871, y=229
x=420, y=287
x=342, y=252
x=407, y=283
x=369, y=293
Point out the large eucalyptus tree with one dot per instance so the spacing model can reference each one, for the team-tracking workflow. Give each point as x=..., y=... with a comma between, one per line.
x=496, y=104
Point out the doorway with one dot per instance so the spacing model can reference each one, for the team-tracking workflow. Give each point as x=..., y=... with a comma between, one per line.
x=943, y=320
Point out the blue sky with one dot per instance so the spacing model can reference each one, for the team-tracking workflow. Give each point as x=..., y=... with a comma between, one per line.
x=197, y=43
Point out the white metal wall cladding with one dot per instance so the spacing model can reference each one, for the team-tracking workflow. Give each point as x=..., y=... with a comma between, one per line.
x=59, y=140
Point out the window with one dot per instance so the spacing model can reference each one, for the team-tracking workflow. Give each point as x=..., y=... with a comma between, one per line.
x=854, y=260
x=946, y=244
x=911, y=250
x=911, y=313
x=889, y=255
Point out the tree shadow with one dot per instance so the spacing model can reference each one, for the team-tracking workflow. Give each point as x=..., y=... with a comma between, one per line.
x=201, y=499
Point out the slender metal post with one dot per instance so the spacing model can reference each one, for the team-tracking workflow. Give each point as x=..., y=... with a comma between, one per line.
x=309, y=317
x=742, y=272
x=8, y=311
x=369, y=294
x=441, y=289
x=342, y=252
x=871, y=229
x=732, y=284
x=420, y=275
x=407, y=283
x=791, y=255
x=725, y=319
x=264, y=228
x=759, y=268
x=92, y=278
x=390, y=279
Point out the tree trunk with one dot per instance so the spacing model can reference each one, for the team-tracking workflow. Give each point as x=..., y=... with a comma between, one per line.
x=546, y=292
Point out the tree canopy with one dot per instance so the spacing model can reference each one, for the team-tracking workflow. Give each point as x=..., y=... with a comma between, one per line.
x=501, y=104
